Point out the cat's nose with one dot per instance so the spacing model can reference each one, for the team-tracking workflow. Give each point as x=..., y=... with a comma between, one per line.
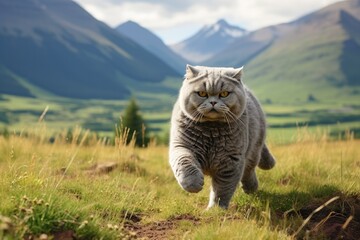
x=213, y=103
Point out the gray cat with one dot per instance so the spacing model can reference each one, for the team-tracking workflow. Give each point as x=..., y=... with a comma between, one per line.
x=217, y=129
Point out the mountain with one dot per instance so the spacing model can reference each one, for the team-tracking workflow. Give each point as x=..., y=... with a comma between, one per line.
x=57, y=47
x=209, y=41
x=153, y=44
x=317, y=54
x=243, y=49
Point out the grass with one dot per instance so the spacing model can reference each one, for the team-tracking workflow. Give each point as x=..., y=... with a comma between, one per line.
x=56, y=189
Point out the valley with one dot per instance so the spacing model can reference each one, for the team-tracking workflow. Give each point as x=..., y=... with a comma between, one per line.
x=304, y=72
x=18, y=113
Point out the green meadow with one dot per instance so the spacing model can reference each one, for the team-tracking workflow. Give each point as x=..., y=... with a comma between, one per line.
x=54, y=186
x=85, y=188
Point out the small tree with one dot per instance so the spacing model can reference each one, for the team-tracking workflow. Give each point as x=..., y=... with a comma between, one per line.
x=133, y=121
x=311, y=98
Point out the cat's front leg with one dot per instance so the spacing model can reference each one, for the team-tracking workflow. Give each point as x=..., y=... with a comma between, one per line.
x=225, y=180
x=186, y=169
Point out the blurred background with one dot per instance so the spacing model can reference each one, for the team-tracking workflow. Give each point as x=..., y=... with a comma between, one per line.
x=78, y=63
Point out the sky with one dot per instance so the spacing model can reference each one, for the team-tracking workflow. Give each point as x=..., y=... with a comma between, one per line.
x=174, y=21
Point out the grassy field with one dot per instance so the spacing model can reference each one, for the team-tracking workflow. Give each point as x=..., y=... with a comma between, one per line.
x=87, y=189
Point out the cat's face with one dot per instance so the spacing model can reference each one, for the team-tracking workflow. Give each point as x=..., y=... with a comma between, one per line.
x=212, y=94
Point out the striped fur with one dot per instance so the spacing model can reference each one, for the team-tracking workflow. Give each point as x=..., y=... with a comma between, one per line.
x=221, y=135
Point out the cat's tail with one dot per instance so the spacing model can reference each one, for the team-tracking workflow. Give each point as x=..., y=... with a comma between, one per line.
x=267, y=161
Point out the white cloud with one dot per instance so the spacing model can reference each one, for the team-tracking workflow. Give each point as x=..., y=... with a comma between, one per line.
x=166, y=17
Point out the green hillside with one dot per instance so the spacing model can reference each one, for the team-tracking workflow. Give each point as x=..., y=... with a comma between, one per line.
x=315, y=55
x=303, y=63
x=10, y=85
x=58, y=47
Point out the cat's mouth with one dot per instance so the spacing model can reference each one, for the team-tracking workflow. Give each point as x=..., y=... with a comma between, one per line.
x=212, y=114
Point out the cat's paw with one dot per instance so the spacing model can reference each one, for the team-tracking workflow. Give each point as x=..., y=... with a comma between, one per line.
x=250, y=188
x=193, y=182
x=250, y=185
x=249, y=182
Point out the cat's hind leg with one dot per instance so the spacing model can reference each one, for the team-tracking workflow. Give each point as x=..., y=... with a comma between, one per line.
x=249, y=180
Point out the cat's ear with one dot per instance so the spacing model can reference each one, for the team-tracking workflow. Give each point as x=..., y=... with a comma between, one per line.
x=237, y=74
x=191, y=71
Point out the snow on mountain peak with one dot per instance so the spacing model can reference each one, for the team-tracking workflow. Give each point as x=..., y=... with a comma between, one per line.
x=235, y=32
x=224, y=29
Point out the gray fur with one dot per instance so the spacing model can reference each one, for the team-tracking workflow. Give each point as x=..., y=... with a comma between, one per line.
x=223, y=137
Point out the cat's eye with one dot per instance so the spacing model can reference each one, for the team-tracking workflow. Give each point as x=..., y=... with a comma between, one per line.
x=224, y=94
x=202, y=94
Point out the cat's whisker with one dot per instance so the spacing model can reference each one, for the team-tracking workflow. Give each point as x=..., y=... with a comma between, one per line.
x=196, y=117
x=228, y=122
x=201, y=115
x=230, y=115
x=225, y=111
x=236, y=120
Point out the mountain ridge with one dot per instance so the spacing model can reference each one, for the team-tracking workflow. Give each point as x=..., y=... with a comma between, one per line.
x=320, y=49
x=316, y=54
x=208, y=41
x=152, y=43
x=59, y=47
